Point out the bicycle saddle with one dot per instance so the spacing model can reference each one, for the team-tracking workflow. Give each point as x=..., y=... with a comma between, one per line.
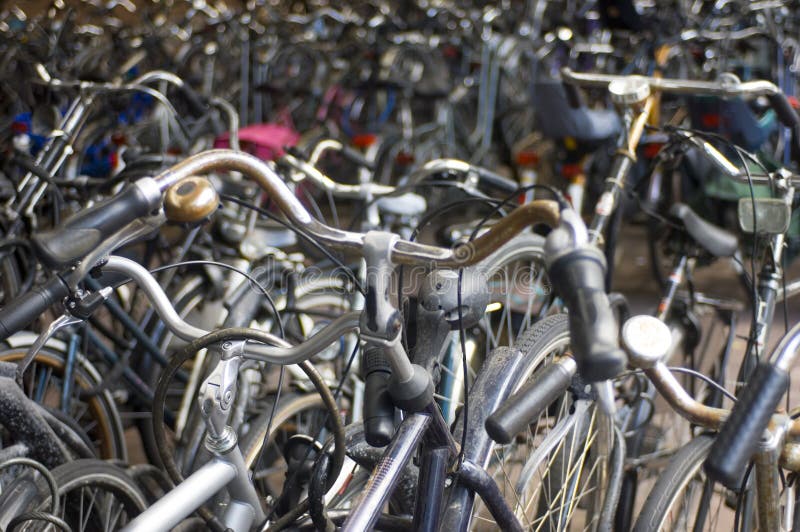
x=732, y=118
x=557, y=119
x=715, y=240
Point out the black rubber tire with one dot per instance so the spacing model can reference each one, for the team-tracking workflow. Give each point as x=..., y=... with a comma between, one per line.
x=79, y=474
x=103, y=408
x=505, y=371
x=681, y=468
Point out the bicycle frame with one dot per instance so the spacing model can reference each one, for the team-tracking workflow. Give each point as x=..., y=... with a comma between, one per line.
x=226, y=470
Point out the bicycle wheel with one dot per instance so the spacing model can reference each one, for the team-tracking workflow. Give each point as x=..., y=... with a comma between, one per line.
x=95, y=496
x=97, y=416
x=553, y=475
x=519, y=294
x=295, y=415
x=683, y=498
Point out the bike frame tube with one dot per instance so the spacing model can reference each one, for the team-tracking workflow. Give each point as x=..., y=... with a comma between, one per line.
x=185, y=498
x=386, y=474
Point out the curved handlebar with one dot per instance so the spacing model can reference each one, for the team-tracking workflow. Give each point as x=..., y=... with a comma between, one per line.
x=403, y=251
x=727, y=87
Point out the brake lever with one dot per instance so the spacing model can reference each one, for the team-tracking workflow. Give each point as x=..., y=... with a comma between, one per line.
x=56, y=325
x=77, y=311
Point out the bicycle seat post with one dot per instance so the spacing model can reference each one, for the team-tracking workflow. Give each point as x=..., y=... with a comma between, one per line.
x=218, y=393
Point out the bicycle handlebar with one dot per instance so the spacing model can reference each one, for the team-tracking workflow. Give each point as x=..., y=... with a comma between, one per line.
x=579, y=277
x=727, y=86
x=741, y=433
x=25, y=308
x=485, y=176
x=591, y=321
x=402, y=252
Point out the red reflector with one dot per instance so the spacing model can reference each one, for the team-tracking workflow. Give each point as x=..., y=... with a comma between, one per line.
x=710, y=120
x=404, y=157
x=651, y=150
x=527, y=158
x=571, y=170
x=365, y=140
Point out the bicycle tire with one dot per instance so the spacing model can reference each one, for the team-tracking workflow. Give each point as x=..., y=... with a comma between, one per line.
x=505, y=371
x=665, y=498
x=97, y=474
x=515, y=316
x=107, y=436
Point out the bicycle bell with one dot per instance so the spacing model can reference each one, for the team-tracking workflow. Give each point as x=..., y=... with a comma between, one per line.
x=190, y=200
x=647, y=339
x=629, y=91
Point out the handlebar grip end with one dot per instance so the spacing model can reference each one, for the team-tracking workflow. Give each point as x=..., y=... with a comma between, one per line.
x=739, y=436
x=525, y=406
x=580, y=279
x=76, y=237
x=784, y=110
x=24, y=309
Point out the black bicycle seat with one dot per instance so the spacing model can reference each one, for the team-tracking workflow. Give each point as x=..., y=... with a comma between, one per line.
x=715, y=240
x=557, y=119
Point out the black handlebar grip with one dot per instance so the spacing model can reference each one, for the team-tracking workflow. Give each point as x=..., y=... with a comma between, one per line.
x=573, y=94
x=378, y=408
x=193, y=100
x=20, y=312
x=784, y=110
x=579, y=277
x=355, y=157
x=497, y=182
x=525, y=406
x=80, y=234
x=740, y=434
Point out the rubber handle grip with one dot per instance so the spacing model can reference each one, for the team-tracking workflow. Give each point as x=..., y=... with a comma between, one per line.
x=497, y=182
x=573, y=93
x=80, y=234
x=193, y=100
x=355, y=157
x=784, y=110
x=525, y=406
x=21, y=312
x=378, y=406
x=579, y=278
x=740, y=434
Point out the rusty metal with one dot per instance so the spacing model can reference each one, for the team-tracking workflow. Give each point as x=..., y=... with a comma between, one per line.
x=790, y=457
x=681, y=401
x=768, y=490
x=536, y=212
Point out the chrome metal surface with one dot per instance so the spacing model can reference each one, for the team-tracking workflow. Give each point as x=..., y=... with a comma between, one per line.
x=403, y=252
x=185, y=498
x=647, y=340
x=386, y=474
x=280, y=353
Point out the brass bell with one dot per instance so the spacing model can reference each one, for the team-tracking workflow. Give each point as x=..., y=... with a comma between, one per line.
x=190, y=200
